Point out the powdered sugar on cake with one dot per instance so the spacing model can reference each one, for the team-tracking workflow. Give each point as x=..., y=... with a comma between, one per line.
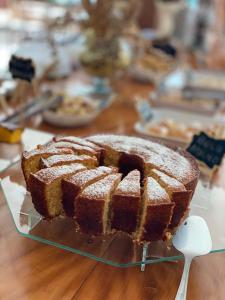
x=100, y=189
x=130, y=185
x=88, y=175
x=169, y=181
x=155, y=192
x=49, y=174
x=73, y=147
x=157, y=155
x=77, y=140
x=66, y=158
x=44, y=150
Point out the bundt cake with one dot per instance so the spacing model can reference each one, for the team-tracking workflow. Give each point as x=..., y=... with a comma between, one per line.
x=112, y=183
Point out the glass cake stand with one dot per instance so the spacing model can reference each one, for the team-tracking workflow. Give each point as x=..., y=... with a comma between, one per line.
x=116, y=249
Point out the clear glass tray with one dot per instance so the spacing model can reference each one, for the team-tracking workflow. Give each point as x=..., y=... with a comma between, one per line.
x=116, y=249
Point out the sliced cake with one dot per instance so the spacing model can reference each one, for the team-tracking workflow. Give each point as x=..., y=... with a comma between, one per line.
x=31, y=159
x=45, y=188
x=178, y=194
x=92, y=205
x=126, y=203
x=75, y=184
x=157, y=212
x=147, y=208
x=59, y=160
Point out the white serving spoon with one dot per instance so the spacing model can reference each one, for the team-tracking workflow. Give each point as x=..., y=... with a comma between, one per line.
x=192, y=239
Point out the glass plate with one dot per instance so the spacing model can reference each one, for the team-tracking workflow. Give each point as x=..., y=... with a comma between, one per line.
x=115, y=249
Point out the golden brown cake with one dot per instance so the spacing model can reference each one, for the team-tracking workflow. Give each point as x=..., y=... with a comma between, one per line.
x=45, y=188
x=72, y=186
x=126, y=203
x=31, y=160
x=157, y=212
x=60, y=160
x=151, y=200
x=92, y=205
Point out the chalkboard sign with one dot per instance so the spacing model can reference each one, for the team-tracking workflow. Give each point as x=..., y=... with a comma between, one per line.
x=21, y=68
x=207, y=149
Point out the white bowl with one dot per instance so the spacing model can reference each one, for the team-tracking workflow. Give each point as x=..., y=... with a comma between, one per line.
x=67, y=120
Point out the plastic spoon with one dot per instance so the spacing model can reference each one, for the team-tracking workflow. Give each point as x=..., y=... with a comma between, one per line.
x=192, y=239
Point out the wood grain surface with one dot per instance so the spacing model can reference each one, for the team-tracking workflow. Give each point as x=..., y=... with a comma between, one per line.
x=31, y=270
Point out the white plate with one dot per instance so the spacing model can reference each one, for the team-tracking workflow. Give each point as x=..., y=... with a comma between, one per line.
x=186, y=118
x=66, y=120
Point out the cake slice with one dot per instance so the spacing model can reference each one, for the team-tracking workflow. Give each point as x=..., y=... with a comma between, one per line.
x=126, y=202
x=30, y=161
x=157, y=212
x=45, y=188
x=58, y=160
x=77, y=149
x=77, y=140
x=92, y=205
x=75, y=184
x=178, y=194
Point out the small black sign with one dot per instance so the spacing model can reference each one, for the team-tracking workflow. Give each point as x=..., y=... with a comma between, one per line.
x=207, y=149
x=22, y=68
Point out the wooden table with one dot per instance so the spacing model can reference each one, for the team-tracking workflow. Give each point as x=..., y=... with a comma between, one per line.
x=31, y=270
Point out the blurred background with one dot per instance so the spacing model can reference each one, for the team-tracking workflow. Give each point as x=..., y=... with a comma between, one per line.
x=152, y=68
